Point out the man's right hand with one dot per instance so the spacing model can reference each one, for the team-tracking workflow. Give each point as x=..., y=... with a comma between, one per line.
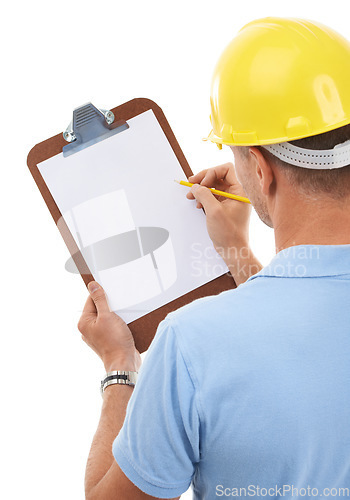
x=227, y=219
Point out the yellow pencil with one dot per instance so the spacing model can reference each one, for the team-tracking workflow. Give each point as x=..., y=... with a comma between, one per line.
x=216, y=191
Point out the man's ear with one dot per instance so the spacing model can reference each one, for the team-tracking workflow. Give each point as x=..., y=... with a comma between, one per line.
x=263, y=170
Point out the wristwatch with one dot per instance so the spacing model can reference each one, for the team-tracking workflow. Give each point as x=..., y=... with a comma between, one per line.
x=118, y=377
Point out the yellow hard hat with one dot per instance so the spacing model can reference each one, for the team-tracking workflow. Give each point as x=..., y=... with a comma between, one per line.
x=280, y=80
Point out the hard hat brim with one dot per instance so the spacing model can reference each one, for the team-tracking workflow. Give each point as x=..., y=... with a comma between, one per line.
x=248, y=141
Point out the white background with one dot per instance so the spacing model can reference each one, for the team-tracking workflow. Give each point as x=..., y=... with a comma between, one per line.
x=56, y=56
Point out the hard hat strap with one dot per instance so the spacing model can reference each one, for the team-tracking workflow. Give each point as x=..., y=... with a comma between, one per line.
x=325, y=159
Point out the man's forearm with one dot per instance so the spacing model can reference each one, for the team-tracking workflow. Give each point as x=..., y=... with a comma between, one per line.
x=241, y=262
x=115, y=400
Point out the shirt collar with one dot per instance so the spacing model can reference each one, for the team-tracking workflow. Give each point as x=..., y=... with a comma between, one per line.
x=307, y=261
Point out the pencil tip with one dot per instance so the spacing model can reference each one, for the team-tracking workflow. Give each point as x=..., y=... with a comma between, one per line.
x=175, y=180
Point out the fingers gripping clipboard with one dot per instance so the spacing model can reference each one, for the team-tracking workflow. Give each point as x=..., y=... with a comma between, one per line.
x=108, y=183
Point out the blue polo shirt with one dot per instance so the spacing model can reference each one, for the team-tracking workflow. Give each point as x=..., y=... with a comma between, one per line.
x=247, y=393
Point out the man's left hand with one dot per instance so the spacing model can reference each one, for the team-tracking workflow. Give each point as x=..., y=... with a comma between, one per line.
x=107, y=334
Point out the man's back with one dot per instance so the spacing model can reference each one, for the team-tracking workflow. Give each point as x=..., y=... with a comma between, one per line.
x=270, y=366
x=272, y=361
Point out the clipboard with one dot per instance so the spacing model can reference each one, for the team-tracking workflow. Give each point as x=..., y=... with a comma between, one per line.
x=104, y=124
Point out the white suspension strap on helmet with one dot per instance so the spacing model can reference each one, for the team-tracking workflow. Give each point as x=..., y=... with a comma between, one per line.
x=325, y=159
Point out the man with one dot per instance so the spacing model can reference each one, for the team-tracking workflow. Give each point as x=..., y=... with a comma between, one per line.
x=247, y=393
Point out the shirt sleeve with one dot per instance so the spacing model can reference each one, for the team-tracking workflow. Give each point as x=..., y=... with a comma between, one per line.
x=158, y=446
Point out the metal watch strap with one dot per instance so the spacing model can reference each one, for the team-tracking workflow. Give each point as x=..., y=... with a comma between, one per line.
x=118, y=377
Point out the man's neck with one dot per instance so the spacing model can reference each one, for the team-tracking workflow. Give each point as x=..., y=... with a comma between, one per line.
x=315, y=222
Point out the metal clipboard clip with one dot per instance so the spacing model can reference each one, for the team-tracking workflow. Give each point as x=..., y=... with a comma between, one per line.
x=89, y=126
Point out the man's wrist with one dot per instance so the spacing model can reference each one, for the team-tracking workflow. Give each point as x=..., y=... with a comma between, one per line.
x=120, y=363
x=241, y=262
x=232, y=251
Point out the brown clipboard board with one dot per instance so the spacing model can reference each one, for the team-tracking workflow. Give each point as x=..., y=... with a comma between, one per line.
x=144, y=328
